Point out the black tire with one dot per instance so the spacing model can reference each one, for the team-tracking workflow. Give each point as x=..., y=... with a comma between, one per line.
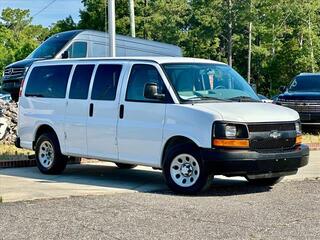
x=15, y=96
x=125, y=165
x=58, y=162
x=264, y=181
x=202, y=181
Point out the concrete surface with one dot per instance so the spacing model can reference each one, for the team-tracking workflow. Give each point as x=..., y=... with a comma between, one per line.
x=229, y=210
x=18, y=184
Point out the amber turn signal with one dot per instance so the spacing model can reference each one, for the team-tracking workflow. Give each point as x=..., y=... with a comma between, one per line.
x=299, y=140
x=233, y=143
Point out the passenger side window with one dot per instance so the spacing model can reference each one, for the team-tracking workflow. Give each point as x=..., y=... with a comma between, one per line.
x=80, y=82
x=48, y=81
x=106, y=82
x=78, y=50
x=141, y=74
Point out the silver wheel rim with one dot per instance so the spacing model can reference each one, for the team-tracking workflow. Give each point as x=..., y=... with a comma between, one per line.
x=46, y=154
x=184, y=170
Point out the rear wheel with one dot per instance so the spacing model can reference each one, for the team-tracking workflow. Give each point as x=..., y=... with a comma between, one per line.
x=125, y=165
x=48, y=155
x=184, y=170
x=264, y=181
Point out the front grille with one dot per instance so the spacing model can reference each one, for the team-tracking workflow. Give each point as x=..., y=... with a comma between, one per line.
x=270, y=143
x=271, y=127
x=14, y=72
x=302, y=105
x=261, y=136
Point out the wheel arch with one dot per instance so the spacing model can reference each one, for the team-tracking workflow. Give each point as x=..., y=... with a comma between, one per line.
x=43, y=128
x=175, y=140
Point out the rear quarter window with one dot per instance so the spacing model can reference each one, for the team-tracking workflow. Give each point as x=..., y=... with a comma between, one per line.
x=48, y=81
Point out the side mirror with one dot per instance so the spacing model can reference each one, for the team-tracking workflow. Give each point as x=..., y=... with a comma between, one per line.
x=254, y=87
x=283, y=89
x=151, y=92
x=65, y=55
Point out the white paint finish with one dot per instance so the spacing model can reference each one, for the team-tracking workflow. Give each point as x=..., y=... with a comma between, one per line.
x=35, y=112
x=140, y=133
x=76, y=126
x=189, y=121
x=249, y=111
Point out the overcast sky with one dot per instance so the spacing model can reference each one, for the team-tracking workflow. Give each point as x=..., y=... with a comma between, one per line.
x=58, y=9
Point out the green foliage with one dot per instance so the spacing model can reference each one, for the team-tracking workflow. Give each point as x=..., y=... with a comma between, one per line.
x=17, y=36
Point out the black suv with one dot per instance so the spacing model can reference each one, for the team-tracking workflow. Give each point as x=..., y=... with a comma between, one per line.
x=303, y=95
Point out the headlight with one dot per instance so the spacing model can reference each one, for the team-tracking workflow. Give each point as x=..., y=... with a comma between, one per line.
x=231, y=131
x=231, y=135
x=298, y=128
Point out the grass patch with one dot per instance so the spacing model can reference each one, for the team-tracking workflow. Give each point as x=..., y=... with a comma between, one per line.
x=310, y=138
x=10, y=152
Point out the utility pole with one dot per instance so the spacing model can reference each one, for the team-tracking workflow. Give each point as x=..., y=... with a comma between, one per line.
x=249, y=53
x=311, y=44
x=132, y=20
x=250, y=44
x=230, y=32
x=112, y=28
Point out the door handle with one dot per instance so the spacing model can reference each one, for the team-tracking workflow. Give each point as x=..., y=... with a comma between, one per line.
x=91, y=110
x=121, y=111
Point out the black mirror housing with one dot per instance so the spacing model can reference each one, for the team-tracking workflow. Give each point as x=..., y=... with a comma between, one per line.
x=151, y=92
x=65, y=55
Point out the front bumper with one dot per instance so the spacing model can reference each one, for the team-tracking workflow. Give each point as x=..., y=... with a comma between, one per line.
x=247, y=162
x=11, y=85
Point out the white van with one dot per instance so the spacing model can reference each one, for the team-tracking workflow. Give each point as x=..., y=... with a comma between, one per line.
x=192, y=118
x=82, y=44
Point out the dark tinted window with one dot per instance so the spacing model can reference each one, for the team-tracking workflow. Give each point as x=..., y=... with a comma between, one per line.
x=106, y=82
x=81, y=81
x=139, y=77
x=78, y=50
x=309, y=83
x=48, y=81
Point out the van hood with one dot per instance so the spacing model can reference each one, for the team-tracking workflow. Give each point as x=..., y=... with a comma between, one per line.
x=249, y=111
x=23, y=63
x=292, y=96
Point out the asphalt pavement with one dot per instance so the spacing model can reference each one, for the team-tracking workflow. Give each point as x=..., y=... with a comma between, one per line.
x=229, y=210
x=99, y=178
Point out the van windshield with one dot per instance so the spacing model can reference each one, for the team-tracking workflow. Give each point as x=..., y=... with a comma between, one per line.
x=305, y=84
x=49, y=48
x=198, y=82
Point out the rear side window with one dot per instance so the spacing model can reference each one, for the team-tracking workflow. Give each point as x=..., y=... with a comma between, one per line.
x=80, y=82
x=106, y=82
x=48, y=81
x=78, y=50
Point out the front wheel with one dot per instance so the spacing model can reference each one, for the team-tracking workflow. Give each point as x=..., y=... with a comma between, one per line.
x=264, y=181
x=184, y=171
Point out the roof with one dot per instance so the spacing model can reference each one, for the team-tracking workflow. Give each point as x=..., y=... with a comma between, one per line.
x=309, y=74
x=159, y=60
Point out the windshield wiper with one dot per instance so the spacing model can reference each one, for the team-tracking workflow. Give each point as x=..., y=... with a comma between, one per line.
x=243, y=99
x=205, y=97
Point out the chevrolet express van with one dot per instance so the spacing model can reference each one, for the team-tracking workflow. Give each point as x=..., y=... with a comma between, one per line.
x=192, y=118
x=82, y=44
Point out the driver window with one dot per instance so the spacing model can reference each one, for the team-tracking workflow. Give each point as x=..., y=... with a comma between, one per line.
x=77, y=50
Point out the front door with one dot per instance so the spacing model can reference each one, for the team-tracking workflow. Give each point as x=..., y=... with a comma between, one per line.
x=141, y=122
x=103, y=112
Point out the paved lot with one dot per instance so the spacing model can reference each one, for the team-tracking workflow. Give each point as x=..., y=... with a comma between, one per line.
x=17, y=184
x=290, y=210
